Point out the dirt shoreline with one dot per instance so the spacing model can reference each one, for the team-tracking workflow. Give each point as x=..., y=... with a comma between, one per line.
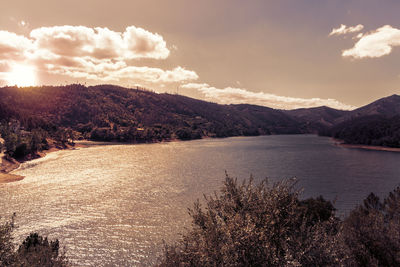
x=340, y=143
x=9, y=178
x=8, y=164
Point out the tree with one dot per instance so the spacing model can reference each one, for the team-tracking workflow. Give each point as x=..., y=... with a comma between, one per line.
x=7, y=256
x=35, y=250
x=372, y=231
x=258, y=225
x=38, y=251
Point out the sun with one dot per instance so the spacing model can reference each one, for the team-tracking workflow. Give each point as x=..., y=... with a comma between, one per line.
x=22, y=76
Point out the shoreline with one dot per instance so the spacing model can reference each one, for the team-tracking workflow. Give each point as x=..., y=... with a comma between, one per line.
x=9, y=178
x=340, y=143
x=8, y=164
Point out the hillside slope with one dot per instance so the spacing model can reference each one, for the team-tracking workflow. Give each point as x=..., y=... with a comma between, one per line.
x=387, y=106
x=375, y=124
x=107, y=112
x=30, y=115
x=314, y=120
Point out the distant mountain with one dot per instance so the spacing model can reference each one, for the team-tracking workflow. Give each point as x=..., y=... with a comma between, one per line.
x=376, y=124
x=314, y=120
x=28, y=116
x=387, y=107
x=113, y=113
x=376, y=130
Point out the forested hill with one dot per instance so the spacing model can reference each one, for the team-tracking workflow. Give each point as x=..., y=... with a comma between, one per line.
x=30, y=116
x=113, y=113
x=376, y=124
x=387, y=107
x=318, y=119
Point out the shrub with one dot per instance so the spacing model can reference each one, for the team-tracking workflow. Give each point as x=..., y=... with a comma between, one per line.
x=38, y=251
x=35, y=250
x=372, y=231
x=258, y=225
x=7, y=256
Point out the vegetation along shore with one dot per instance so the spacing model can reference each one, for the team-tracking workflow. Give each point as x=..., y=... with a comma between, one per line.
x=36, y=119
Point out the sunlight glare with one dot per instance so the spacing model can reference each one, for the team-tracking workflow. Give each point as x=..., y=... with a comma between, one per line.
x=22, y=76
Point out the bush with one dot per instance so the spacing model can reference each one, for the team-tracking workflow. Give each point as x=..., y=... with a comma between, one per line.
x=38, y=251
x=35, y=251
x=7, y=256
x=259, y=225
x=373, y=231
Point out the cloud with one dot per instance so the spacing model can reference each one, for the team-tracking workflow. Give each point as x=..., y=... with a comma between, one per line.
x=100, y=43
x=13, y=46
x=375, y=44
x=231, y=95
x=98, y=54
x=114, y=73
x=343, y=29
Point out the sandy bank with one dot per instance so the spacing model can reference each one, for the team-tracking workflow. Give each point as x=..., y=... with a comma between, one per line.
x=8, y=164
x=340, y=143
x=8, y=178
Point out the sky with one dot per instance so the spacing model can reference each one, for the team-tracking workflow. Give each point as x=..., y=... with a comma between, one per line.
x=283, y=54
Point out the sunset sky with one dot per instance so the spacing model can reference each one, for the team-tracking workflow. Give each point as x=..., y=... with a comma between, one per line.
x=281, y=54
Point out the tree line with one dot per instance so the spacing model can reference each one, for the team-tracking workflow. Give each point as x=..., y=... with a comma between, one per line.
x=375, y=130
x=112, y=113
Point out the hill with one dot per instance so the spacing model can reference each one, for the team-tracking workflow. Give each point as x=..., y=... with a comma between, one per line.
x=34, y=118
x=317, y=119
x=112, y=113
x=387, y=106
x=375, y=124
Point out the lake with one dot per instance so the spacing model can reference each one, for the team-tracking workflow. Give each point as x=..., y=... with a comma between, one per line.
x=114, y=204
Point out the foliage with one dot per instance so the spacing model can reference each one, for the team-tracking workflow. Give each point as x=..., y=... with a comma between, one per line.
x=317, y=209
x=35, y=251
x=373, y=231
x=38, y=251
x=112, y=113
x=20, y=143
x=259, y=225
x=7, y=256
x=267, y=225
x=376, y=130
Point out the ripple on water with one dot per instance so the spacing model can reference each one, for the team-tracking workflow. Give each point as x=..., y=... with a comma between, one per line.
x=113, y=205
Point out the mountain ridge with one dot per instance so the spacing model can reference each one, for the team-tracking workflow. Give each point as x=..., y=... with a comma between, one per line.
x=113, y=113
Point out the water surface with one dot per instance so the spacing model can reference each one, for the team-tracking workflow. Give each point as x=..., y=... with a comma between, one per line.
x=114, y=204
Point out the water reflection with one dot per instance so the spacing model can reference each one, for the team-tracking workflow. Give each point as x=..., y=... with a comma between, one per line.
x=114, y=204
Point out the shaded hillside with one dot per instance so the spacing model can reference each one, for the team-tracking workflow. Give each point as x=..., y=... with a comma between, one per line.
x=29, y=116
x=375, y=124
x=314, y=120
x=113, y=113
x=376, y=130
x=388, y=106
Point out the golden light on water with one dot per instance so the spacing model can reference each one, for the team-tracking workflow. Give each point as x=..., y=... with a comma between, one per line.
x=21, y=75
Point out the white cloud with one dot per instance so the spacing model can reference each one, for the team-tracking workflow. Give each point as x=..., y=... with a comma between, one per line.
x=231, y=95
x=115, y=72
x=343, y=29
x=13, y=46
x=91, y=53
x=375, y=44
x=100, y=43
